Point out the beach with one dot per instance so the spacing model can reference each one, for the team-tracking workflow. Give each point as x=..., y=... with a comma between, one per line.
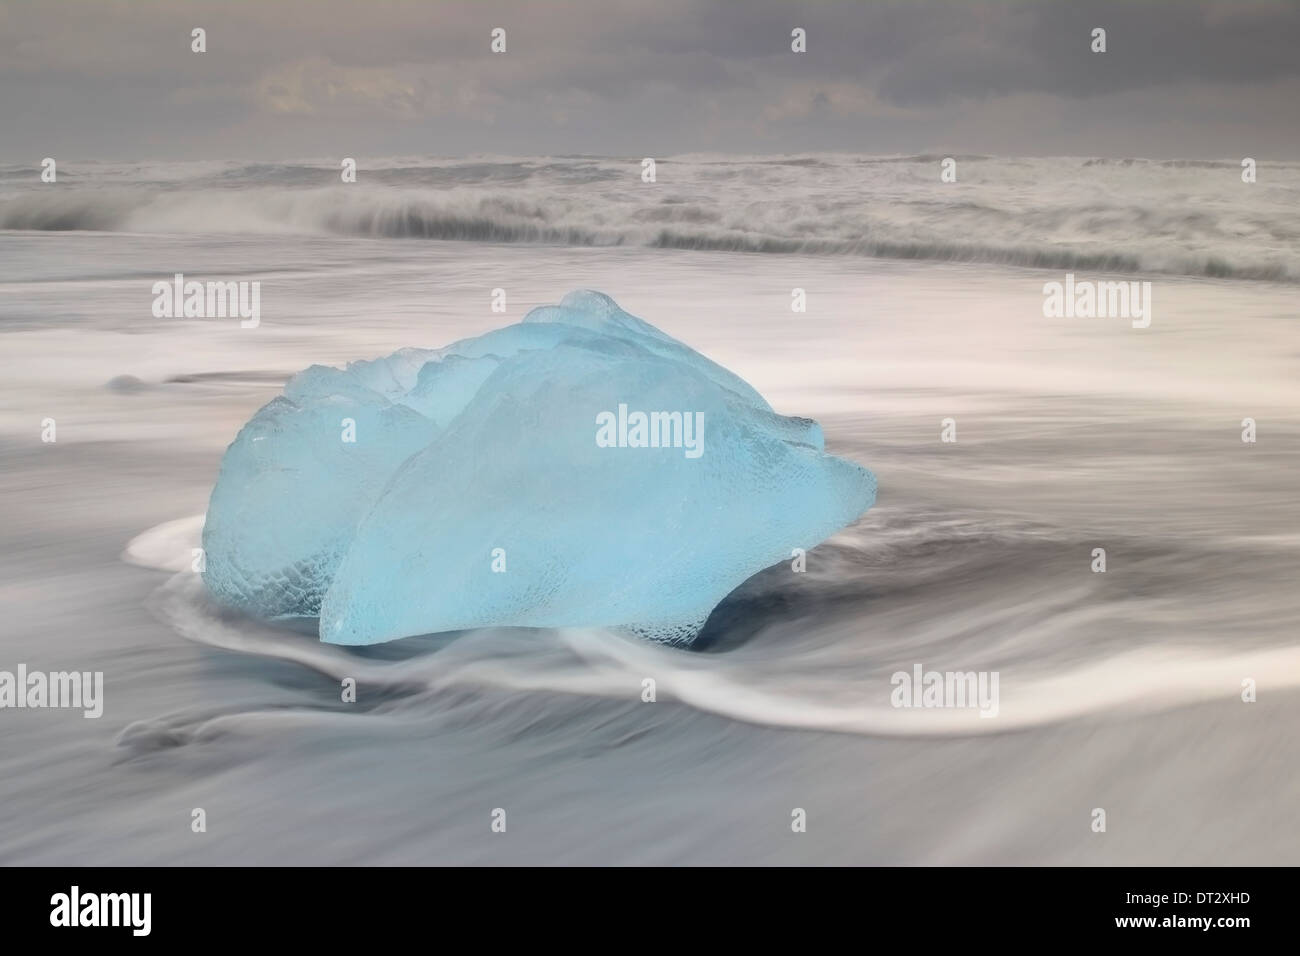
x=1120, y=690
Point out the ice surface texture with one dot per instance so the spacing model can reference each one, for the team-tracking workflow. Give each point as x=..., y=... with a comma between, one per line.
x=497, y=481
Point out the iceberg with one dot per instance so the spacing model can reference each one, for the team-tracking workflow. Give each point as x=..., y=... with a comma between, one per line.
x=578, y=469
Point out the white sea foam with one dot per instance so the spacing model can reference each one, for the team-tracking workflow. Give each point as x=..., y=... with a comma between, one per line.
x=606, y=664
x=1052, y=213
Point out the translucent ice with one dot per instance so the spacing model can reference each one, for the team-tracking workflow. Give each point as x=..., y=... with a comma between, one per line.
x=580, y=468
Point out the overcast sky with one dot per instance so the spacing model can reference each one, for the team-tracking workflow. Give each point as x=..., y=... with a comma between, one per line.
x=115, y=79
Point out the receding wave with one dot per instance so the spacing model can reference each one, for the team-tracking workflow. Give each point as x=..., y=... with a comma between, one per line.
x=808, y=692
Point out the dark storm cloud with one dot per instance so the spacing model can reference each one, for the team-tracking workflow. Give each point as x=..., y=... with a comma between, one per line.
x=1045, y=48
x=287, y=77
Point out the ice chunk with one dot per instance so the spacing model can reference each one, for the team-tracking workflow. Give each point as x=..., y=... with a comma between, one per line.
x=580, y=468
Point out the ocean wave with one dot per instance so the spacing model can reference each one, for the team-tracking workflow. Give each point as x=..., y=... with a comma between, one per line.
x=816, y=685
x=613, y=666
x=1137, y=216
x=680, y=225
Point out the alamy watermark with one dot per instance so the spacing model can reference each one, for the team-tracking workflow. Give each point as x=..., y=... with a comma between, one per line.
x=651, y=430
x=181, y=299
x=922, y=688
x=58, y=689
x=74, y=908
x=1086, y=299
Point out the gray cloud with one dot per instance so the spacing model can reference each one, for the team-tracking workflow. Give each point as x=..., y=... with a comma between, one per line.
x=289, y=77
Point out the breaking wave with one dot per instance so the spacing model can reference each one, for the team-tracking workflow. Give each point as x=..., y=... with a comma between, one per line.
x=1178, y=217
